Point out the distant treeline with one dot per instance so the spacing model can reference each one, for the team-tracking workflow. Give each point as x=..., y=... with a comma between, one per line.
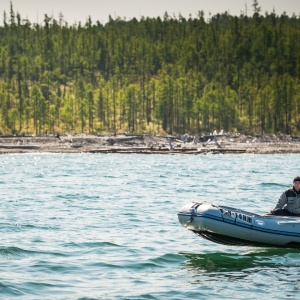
x=169, y=74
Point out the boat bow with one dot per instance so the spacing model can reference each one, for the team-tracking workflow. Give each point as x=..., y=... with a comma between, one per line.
x=227, y=225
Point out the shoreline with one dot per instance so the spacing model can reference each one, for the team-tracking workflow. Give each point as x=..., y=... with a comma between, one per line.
x=151, y=144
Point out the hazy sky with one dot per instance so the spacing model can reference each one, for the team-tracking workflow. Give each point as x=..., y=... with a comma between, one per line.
x=99, y=10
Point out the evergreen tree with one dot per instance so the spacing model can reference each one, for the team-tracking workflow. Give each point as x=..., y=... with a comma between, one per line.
x=167, y=74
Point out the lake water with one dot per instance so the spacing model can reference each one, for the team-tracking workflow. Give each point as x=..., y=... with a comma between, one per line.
x=104, y=226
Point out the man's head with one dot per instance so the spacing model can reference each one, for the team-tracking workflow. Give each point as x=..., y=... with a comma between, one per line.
x=297, y=178
x=296, y=183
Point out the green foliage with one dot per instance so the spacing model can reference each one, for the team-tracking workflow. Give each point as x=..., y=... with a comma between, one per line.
x=172, y=75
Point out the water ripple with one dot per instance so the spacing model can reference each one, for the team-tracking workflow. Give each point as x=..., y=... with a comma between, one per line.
x=104, y=226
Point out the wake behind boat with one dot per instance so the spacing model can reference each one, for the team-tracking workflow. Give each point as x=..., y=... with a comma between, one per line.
x=232, y=226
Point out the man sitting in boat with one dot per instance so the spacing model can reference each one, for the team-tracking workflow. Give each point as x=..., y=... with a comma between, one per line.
x=289, y=202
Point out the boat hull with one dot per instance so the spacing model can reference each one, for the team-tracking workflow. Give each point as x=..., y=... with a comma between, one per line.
x=231, y=226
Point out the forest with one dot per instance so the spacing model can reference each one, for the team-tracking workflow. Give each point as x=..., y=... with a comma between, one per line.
x=160, y=75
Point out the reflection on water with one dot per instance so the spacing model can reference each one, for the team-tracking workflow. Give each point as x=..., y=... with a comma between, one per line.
x=237, y=266
x=254, y=273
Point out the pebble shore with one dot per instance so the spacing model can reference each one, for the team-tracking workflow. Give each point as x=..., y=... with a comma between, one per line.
x=151, y=144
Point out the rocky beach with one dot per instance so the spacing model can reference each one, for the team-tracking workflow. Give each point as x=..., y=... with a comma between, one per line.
x=151, y=144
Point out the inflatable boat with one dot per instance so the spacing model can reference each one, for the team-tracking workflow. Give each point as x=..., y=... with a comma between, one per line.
x=231, y=226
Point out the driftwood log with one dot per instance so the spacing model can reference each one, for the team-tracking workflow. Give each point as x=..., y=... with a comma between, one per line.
x=151, y=144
